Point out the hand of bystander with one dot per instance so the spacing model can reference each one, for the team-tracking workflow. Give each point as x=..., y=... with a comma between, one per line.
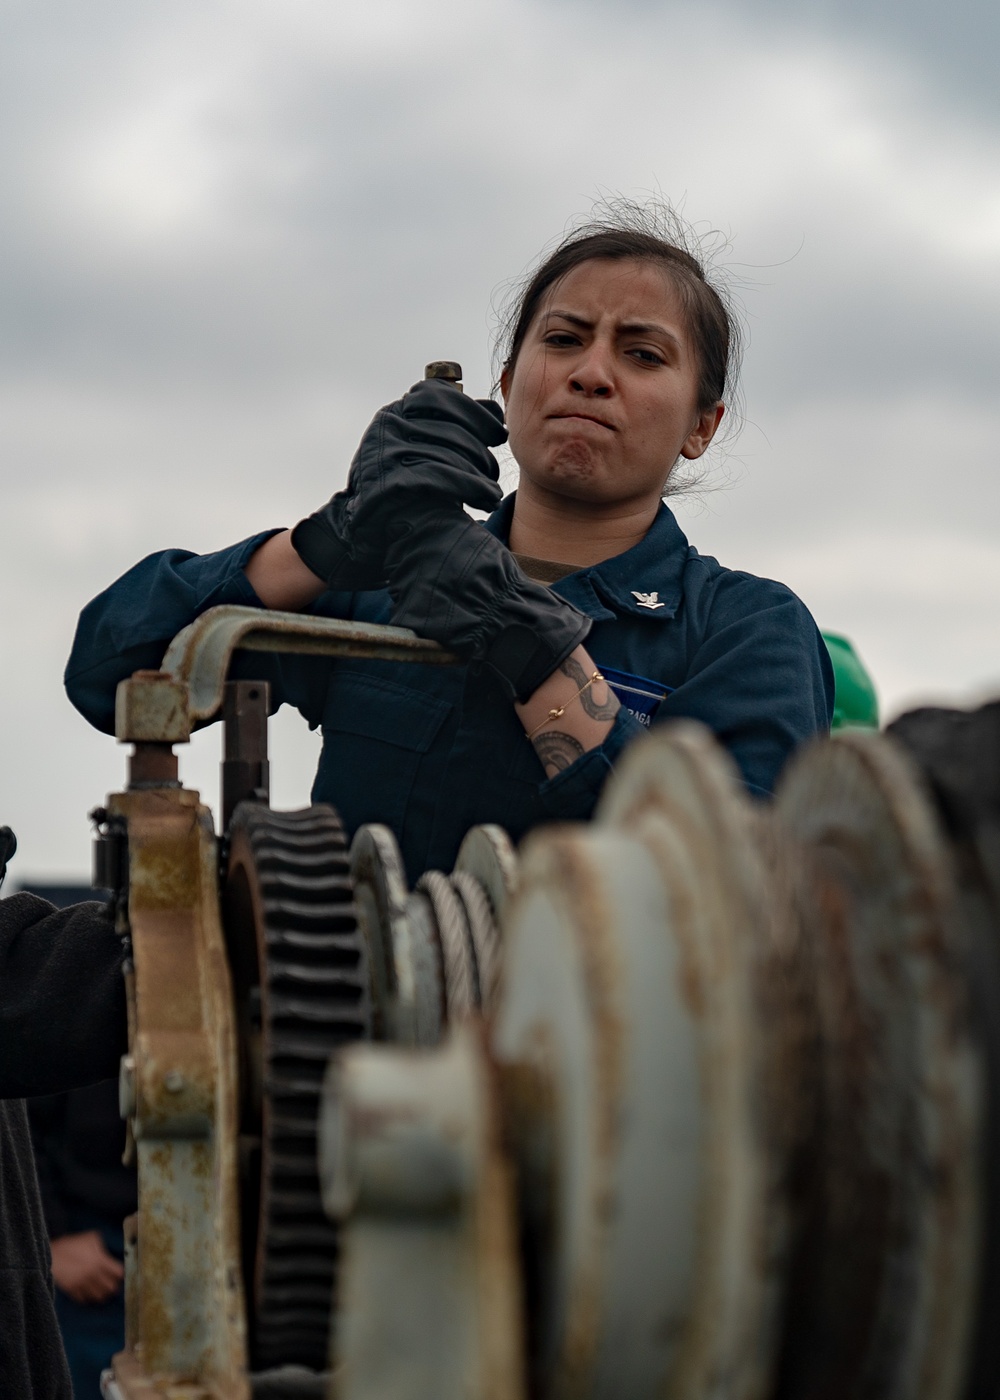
x=83, y=1268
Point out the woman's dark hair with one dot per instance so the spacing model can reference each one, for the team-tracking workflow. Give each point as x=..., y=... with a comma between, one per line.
x=651, y=233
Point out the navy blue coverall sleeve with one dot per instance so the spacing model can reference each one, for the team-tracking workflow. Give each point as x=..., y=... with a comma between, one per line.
x=129, y=626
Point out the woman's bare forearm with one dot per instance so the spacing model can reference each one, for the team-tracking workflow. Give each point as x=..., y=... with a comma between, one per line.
x=279, y=577
x=588, y=712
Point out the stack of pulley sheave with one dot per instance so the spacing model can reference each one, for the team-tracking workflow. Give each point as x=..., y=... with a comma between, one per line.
x=696, y=1101
x=728, y=1126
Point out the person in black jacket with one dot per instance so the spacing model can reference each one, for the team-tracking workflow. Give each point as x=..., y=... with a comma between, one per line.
x=62, y=1025
x=87, y=1191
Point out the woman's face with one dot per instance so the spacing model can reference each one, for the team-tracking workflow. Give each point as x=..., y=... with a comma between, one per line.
x=603, y=396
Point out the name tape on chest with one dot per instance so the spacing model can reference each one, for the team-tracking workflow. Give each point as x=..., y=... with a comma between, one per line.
x=640, y=696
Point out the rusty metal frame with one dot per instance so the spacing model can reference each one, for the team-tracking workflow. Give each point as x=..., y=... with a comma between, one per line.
x=185, y=1327
x=199, y=656
x=185, y=1309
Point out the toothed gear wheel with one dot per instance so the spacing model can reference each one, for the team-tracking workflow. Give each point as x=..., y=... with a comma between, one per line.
x=301, y=986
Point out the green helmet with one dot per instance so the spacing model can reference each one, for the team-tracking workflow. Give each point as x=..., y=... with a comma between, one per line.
x=855, y=701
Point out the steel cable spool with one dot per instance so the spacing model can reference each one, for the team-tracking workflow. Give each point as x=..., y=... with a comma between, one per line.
x=629, y=1048
x=301, y=984
x=487, y=858
x=882, y=1282
x=461, y=981
x=435, y=951
x=483, y=934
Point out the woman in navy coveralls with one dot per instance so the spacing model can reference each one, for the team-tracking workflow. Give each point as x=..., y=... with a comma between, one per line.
x=616, y=369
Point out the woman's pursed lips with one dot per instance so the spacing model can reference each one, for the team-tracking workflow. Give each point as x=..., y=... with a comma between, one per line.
x=584, y=418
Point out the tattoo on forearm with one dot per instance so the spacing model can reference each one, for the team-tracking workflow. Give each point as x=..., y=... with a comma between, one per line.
x=557, y=751
x=601, y=710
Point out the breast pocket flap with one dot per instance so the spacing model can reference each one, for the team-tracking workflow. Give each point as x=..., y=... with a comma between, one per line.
x=373, y=707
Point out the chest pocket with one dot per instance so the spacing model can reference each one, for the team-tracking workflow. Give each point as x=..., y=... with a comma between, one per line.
x=375, y=733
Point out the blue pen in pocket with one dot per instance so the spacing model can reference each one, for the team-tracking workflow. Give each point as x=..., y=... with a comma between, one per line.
x=640, y=696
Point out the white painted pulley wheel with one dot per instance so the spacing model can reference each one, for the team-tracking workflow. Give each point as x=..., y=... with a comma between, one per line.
x=488, y=854
x=403, y=949
x=628, y=1046
x=681, y=796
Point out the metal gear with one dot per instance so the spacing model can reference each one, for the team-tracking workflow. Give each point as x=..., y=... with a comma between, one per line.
x=302, y=986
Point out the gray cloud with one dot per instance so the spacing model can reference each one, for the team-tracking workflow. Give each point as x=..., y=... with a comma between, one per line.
x=953, y=47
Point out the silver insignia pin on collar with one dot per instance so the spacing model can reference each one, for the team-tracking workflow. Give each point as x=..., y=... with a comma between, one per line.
x=647, y=600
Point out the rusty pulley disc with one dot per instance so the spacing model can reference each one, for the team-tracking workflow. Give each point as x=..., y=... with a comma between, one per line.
x=958, y=755
x=301, y=985
x=881, y=1288
x=679, y=794
x=630, y=1050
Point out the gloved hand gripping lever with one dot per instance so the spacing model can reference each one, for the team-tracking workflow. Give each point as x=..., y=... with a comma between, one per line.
x=430, y=448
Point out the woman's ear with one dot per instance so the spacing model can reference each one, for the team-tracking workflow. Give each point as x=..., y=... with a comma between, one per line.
x=703, y=431
x=505, y=383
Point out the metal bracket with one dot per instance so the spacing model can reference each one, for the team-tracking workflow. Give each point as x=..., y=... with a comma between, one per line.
x=199, y=656
x=245, y=768
x=165, y=706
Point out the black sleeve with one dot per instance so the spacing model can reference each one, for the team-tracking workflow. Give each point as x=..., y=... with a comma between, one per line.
x=62, y=996
x=47, y=1121
x=32, y=1359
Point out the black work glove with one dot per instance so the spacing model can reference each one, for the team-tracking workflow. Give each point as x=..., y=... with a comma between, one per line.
x=452, y=581
x=432, y=445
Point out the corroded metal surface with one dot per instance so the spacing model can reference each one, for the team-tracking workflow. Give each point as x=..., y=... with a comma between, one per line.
x=883, y=1280
x=185, y=1302
x=631, y=1047
x=958, y=754
x=411, y=1157
x=152, y=707
x=380, y=892
x=198, y=658
x=732, y=1056
x=450, y=370
x=679, y=795
x=590, y=1032
x=434, y=952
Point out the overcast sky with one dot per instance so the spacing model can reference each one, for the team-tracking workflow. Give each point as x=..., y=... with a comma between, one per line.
x=231, y=231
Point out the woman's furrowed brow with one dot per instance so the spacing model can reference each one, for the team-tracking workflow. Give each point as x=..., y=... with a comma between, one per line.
x=625, y=328
x=647, y=328
x=571, y=317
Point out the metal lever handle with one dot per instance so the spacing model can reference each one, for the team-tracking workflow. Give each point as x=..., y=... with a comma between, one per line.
x=450, y=370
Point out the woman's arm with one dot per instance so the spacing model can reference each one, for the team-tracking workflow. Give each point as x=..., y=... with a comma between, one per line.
x=129, y=626
x=570, y=713
x=758, y=673
x=280, y=579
